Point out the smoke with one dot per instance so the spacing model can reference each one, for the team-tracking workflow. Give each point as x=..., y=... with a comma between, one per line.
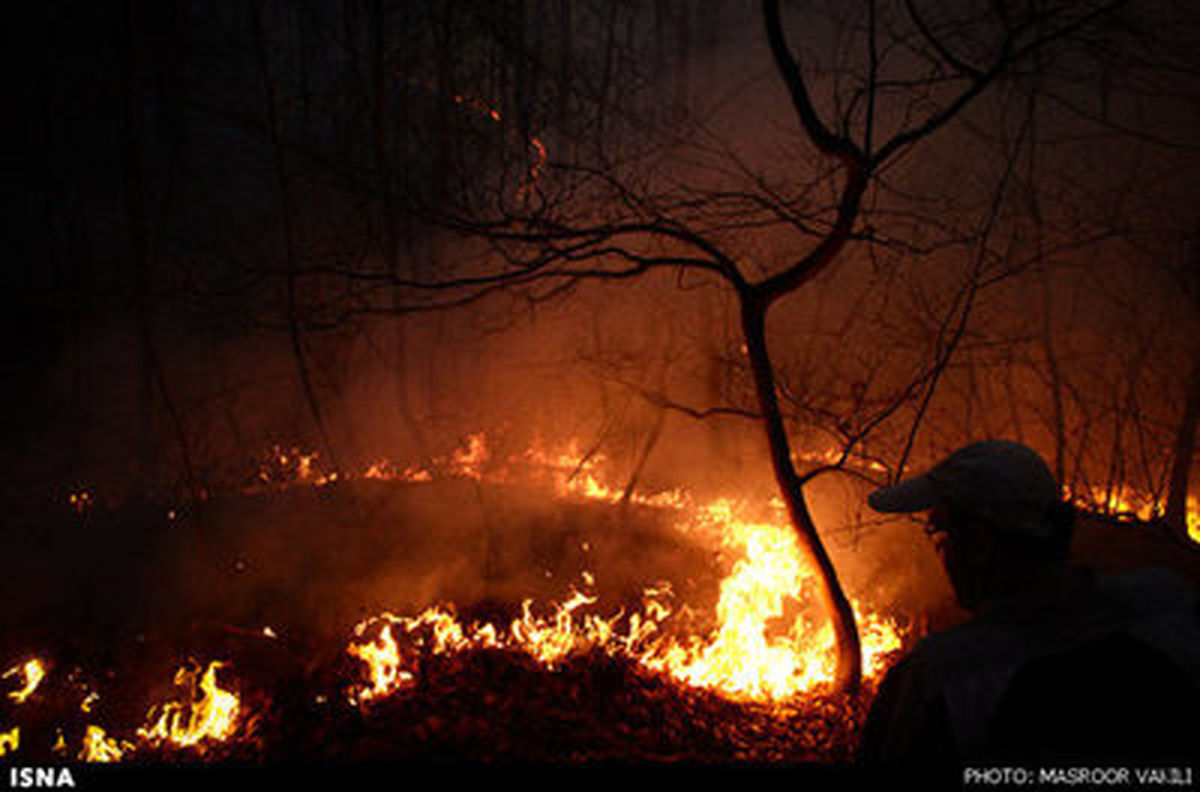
x=151, y=407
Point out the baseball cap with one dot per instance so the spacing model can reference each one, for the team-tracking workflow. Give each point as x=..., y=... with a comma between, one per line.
x=1003, y=483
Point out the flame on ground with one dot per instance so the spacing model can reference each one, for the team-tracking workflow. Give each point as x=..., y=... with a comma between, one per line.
x=576, y=474
x=99, y=747
x=31, y=672
x=767, y=646
x=1125, y=505
x=207, y=712
x=10, y=740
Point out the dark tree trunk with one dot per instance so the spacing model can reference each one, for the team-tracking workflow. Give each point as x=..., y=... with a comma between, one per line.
x=152, y=375
x=836, y=604
x=563, y=109
x=444, y=126
x=287, y=218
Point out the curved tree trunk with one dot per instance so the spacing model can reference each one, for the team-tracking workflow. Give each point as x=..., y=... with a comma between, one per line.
x=834, y=600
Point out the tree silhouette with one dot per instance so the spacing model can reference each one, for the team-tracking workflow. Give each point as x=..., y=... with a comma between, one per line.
x=615, y=224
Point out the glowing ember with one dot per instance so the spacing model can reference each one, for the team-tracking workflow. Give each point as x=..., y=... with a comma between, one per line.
x=85, y=706
x=31, y=673
x=207, y=713
x=80, y=501
x=577, y=475
x=468, y=462
x=384, y=470
x=284, y=468
x=1118, y=502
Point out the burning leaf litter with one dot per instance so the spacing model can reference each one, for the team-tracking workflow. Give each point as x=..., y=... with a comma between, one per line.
x=753, y=685
x=10, y=740
x=206, y=713
x=99, y=747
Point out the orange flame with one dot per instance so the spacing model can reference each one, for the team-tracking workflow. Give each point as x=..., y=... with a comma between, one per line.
x=1193, y=518
x=32, y=673
x=759, y=650
x=384, y=470
x=99, y=747
x=468, y=462
x=382, y=657
x=769, y=644
x=1118, y=502
x=1124, y=505
x=10, y=741
x=89, y=700
x=576, y=475
x=208, y=713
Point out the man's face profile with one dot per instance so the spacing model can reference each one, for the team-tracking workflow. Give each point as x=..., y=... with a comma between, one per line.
x=966, y=552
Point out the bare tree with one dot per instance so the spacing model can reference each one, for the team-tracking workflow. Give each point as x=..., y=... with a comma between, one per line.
x=616, y=224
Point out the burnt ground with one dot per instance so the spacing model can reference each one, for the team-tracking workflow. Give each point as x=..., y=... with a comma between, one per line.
x=117, y=598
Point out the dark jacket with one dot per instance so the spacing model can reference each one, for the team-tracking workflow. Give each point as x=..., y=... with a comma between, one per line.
x=1107, y=672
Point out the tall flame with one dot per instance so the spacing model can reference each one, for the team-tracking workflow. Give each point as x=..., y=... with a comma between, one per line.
x=207, y=713
x=763, y=647
x=382, y=657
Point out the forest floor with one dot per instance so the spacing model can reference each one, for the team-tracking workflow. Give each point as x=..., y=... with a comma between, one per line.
x=273, y=583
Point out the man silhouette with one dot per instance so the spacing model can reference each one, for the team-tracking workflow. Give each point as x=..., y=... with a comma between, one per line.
x=1056, y=663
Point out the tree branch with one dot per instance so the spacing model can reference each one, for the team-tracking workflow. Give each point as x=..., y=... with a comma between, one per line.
x=825, y=140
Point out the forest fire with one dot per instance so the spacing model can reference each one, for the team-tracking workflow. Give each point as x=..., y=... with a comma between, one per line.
x=207, y=712
x=204, y=715
x=745, y=658
x=1130, y=506
x=765, y=646
x=739, y=659
x=519, y=381
x=99, y=747
x=758, y=651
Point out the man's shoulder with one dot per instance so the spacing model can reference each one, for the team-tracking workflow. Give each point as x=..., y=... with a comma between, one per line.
x=1133, y=602
x=963, y=646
